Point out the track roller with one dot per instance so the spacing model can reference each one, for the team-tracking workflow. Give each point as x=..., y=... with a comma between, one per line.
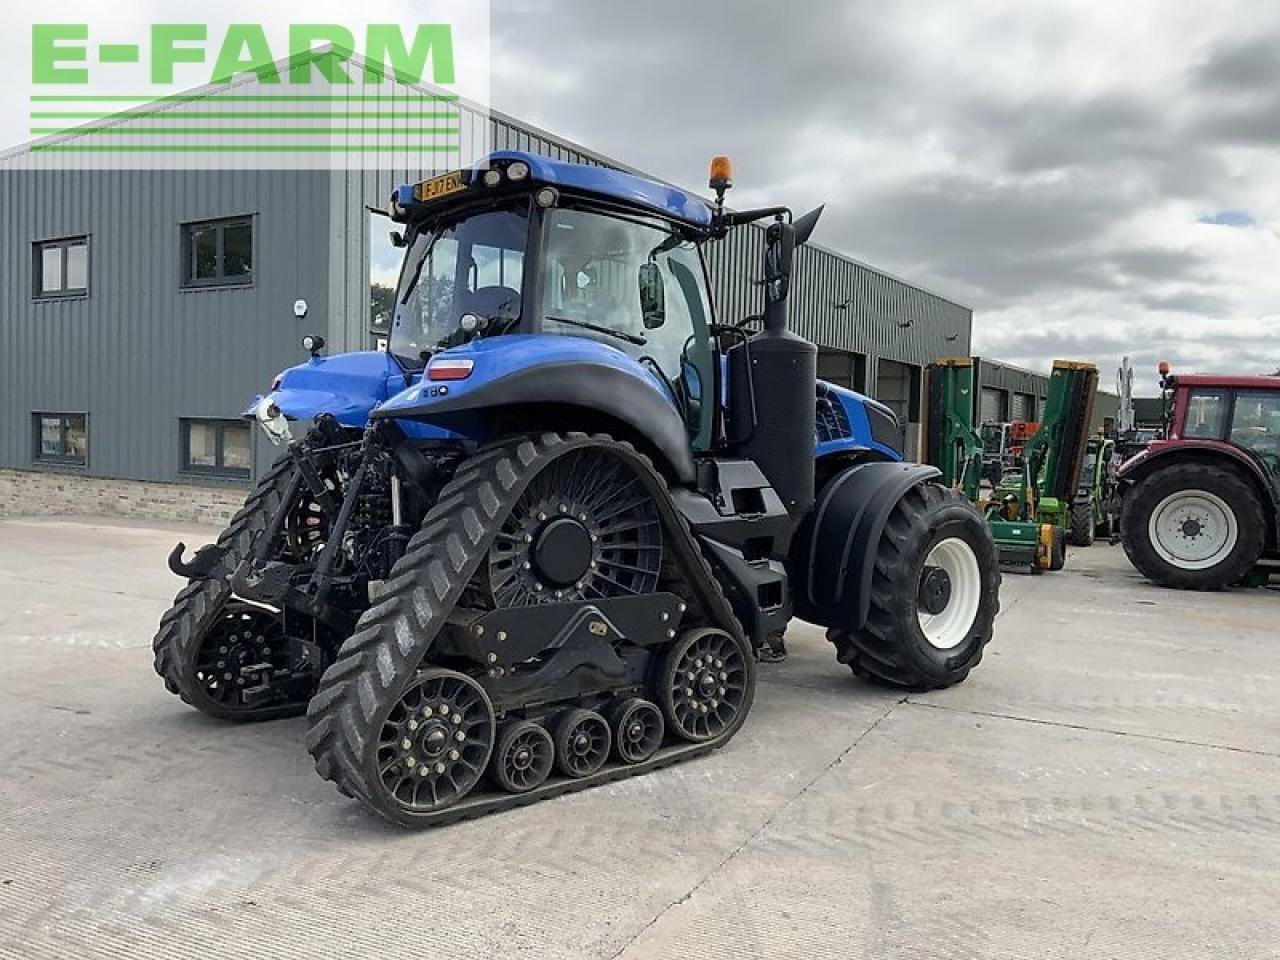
x=582, y=743
x=637, y=730
x=523, y=757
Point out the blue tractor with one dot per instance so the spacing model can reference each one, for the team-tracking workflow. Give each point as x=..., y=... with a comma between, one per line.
x=542, y=541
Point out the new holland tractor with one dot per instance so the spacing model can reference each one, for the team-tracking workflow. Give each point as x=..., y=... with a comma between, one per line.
x=541, y=541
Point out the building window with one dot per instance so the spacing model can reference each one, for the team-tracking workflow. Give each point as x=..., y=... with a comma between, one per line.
x=60, y=268
x=217, y=253
x=61, y=438
x=217, y=447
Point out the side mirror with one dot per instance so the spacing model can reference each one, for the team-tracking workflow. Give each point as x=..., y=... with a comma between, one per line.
x=653, y=296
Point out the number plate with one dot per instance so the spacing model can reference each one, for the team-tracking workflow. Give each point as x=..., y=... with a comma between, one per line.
x=440, y=186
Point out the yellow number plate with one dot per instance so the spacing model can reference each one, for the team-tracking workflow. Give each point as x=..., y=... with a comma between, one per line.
x=440, y=186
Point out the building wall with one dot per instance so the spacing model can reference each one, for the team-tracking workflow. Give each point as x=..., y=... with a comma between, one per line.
x=139, y=351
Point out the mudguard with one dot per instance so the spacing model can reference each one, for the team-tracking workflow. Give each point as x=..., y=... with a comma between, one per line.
x=833, y=555
x=515, y=371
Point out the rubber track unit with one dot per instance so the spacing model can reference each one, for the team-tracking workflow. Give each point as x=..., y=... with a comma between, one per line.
x=877, y=651
x=381, y=658
x=200, y=602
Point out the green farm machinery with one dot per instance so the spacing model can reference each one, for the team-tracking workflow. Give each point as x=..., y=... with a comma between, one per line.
x=1029, y=510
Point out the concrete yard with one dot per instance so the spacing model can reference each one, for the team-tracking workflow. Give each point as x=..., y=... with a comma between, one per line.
x=1106, y=784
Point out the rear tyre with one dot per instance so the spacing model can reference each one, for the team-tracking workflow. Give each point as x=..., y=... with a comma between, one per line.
x=1083, y=526
x=1193, y=526
x=935, y=595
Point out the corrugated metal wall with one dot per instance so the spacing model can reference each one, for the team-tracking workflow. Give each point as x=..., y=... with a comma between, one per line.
x=139, y=352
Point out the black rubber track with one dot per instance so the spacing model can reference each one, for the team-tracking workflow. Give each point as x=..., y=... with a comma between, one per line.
x=887, y=650
x=1083, y=528
x=1252, y=521
x=200, y=602
x=392, y=638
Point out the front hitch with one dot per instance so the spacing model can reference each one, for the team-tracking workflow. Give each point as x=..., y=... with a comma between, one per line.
x=200, y=566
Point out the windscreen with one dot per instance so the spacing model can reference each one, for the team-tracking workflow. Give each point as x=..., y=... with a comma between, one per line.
x=472, y=265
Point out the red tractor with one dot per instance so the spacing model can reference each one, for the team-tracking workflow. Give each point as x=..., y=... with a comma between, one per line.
x=1199, y=507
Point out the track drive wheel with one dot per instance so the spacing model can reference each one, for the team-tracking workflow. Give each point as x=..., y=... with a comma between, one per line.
x=706, y=686
x=1193, y=526
x=523, y=757
x=637, y=730
x=582, y=743
x=935, y=594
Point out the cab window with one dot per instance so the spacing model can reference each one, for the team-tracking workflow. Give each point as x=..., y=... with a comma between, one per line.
x=1206, y=414
x=596, y=267
x=1255, y=424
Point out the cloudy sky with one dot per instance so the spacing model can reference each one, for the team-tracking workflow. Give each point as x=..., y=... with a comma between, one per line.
x=1094, y=179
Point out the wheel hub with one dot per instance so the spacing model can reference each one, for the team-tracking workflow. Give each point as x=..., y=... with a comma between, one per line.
x=562, y=551
x=707, y=684
x=1191, y=527
x=581, y=744
x=935, y=590
x=434, y=739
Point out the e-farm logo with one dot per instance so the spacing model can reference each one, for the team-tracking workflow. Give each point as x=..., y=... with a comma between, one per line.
x=331, y=89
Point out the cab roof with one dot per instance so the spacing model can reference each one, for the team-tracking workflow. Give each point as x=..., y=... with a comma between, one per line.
x=606, y=184
x=1227, y=381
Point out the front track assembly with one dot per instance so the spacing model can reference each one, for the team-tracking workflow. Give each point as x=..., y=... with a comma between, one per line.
x=428, y=718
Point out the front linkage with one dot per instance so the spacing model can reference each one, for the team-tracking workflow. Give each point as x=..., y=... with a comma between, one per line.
x=267, y=606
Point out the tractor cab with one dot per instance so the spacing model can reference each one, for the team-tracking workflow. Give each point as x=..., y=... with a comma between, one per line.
x=529, y=246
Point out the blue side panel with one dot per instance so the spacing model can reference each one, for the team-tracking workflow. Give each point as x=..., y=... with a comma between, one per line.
x=498, y=357
x=844, y=427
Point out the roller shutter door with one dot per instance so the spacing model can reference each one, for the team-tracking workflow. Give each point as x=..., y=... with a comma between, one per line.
x=992, y=405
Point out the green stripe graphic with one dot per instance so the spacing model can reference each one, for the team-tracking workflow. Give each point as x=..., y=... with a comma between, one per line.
x=233, y=148
x=232, y=98
x=254, y=131
x=234, y=115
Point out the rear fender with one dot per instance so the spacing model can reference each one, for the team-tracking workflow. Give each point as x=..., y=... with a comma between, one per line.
x=836, y=546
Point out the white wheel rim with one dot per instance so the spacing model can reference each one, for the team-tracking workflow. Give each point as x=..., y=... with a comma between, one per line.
x=1193, y=529
x=950, y=627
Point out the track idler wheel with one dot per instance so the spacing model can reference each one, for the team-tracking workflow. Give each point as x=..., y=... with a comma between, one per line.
x=523, y=757
x=705, y=684
x=582, y=743
x=243, y=662
x=435, y=742
x=637, y=730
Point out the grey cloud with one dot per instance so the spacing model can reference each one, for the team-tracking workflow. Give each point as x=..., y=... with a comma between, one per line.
x=1030, y=194
x=1244, y=65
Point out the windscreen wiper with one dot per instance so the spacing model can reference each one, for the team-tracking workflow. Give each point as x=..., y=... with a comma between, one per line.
x=597, y=328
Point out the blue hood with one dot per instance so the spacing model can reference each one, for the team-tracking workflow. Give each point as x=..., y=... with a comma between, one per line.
x=348, y=385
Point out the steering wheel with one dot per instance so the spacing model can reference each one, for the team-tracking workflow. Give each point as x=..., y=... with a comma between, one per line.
x=493, y=302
